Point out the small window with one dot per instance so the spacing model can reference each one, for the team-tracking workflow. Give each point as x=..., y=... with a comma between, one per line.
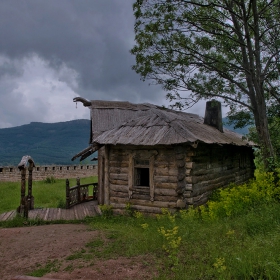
x=38, y=168
x=67, y=167
x=74, y=167
x=46, y=168
x=60, y=168
x=81, y=167
x=141, y=173
x=53, y=168
x=11, y=169
x=87, y=167
x=1, y=169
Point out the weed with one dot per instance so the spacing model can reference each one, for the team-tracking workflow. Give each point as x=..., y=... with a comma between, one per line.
x=128, y=210
x=61, y=204
x=107, y=211
x=49, y=267
x=50, y=180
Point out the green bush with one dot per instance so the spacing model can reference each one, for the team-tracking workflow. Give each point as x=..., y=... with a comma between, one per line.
x=234, y=200
x=49, y=180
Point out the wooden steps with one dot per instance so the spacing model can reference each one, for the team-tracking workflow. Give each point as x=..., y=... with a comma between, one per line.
x=77, y=212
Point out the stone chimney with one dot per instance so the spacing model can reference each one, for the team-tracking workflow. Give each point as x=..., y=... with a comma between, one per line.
x=213, y=114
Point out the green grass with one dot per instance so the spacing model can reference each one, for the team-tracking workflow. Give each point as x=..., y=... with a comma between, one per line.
x=46, y=195
x=241, y=247
x=214, y=242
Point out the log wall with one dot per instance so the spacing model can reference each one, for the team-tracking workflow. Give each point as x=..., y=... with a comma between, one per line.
x=214, y=166
x=181, y=175
x=164, y=179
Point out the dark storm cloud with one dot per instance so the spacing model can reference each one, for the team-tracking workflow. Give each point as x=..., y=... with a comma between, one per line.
x=91, y=37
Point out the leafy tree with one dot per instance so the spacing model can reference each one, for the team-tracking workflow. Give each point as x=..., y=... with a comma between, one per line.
x=203, y=49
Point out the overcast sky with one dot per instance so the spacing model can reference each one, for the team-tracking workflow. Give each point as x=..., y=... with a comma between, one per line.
x=52, y=51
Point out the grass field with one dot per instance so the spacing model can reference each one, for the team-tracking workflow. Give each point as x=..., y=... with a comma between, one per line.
x=237, y=236
x=46, y=195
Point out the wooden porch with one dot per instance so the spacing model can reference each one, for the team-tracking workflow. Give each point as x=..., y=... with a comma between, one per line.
x=77, y=212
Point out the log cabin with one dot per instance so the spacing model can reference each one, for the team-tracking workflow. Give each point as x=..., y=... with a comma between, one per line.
x=153, y=157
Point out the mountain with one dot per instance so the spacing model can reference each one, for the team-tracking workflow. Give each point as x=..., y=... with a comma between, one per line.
x=50, y=143
x=46, y=143
x=242, y=131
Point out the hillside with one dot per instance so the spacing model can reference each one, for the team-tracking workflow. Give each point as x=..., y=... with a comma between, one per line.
x=47, y=143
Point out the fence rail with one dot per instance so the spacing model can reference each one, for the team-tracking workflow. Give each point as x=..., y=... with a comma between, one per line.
x=79, y=193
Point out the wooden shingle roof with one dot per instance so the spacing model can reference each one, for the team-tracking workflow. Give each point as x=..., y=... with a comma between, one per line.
x=116, y=122
x=167, y=127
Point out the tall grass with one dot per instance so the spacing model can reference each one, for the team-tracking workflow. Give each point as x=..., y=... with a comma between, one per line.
x=47, y=194
x=235, y=236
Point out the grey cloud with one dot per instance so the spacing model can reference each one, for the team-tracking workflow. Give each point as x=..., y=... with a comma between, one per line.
x=91, y=37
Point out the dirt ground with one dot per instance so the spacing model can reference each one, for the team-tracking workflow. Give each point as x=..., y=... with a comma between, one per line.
x=23, y=250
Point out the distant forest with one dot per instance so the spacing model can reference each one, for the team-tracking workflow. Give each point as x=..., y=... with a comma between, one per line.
x=50, y=143
x=46, y=143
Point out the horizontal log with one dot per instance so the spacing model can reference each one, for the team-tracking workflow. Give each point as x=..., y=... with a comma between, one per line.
x=119, y=188
x=161, y=204
x=165, y=179
x=118, y=170
x=143, y=196
x=200, y=202
x=166, y=198
x=116, y=163
x=145, y=209
x=118, y=194
x=118, y=182
x=166, y=192
x=115, y=176
x=203, y=196
x=165, y=185
x=165, y=171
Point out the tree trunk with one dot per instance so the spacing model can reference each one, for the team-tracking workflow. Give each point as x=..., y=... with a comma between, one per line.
x=261, y=124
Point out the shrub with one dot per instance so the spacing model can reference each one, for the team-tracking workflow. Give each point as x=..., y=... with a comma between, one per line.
x=107, y=210
x=49, y=180
x=237, y=199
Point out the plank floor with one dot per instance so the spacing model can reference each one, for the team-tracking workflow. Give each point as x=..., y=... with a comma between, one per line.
x=77, y=212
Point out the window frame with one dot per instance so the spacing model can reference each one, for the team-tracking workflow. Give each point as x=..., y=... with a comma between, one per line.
x=141, y=156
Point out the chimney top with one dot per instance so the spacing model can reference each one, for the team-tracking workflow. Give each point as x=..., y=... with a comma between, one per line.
x=213, y=114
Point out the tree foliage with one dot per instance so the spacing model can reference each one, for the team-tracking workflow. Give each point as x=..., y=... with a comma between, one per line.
x=205, y=49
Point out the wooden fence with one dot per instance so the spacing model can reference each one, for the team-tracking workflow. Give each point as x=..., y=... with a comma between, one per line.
x=79, y=193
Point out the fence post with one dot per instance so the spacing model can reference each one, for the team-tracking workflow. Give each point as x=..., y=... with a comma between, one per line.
x=78, y=189
x=67, y=194
x=30, y=197
x=94, y=195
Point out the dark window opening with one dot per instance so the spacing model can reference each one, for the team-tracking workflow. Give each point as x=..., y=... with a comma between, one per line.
x=11, y=169
x=46, y=168
x=38, y=168
x=60, y=168
x=142, y=177
x=1, y=169
x=53, y=168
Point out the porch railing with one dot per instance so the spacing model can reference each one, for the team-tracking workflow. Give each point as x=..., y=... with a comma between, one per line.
x=79, y=193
